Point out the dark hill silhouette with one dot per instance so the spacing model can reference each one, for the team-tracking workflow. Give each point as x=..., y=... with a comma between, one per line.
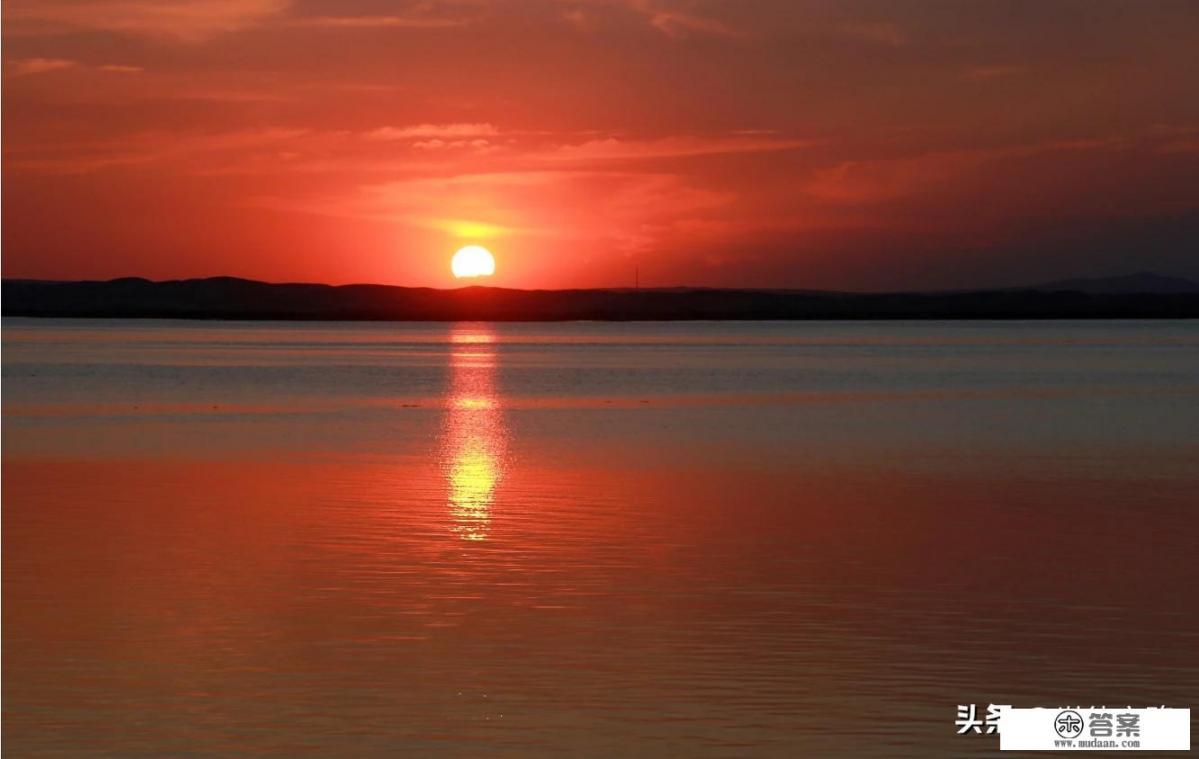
x=232, y=298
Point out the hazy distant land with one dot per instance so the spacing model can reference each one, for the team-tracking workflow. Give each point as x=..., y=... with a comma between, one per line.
x=1133, y=296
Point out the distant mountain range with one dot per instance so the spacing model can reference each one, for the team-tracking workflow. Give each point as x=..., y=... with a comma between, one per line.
x=1142, y=295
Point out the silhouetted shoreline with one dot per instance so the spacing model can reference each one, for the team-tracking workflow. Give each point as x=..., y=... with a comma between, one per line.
x=231, y=298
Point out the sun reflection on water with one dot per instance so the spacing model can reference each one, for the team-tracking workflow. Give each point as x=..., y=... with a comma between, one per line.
x=474, y=440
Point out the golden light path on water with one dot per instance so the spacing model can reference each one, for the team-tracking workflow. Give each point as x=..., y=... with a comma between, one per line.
x=475, y=437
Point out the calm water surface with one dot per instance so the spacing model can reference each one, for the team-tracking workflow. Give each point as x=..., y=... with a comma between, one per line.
x=701, y=539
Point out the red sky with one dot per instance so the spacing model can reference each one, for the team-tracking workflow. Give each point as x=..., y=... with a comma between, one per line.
x=856, y=145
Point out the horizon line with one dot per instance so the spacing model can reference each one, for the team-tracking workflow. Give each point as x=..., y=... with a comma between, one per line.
x=620, y=288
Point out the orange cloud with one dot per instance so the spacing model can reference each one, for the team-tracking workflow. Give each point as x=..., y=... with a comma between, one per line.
x=146, y=148
x=420, y=20
x=28, y=66
x=432, y=130
x=192, y=20
x=677, y=24
x=613, y=148
x=670, y=17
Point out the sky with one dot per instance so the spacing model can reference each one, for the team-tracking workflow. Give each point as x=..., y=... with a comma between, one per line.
x=763, y=143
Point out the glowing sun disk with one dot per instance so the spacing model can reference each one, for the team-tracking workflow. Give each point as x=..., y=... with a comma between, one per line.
x=473, y=261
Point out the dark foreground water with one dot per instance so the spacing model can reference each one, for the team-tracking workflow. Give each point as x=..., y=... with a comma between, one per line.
x=587, y=539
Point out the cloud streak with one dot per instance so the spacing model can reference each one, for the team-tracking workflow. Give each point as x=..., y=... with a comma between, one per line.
x=432, y=130
x=193, y=20
x=30, y=66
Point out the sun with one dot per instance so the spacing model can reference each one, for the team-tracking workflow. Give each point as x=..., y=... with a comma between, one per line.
x=473, y=261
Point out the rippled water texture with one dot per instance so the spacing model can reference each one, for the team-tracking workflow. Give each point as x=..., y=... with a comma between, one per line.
x=590, y=540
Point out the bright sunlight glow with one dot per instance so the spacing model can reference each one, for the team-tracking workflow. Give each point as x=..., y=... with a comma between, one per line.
x=473, y=261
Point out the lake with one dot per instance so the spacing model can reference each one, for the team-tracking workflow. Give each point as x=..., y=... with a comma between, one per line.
x=590, y=539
